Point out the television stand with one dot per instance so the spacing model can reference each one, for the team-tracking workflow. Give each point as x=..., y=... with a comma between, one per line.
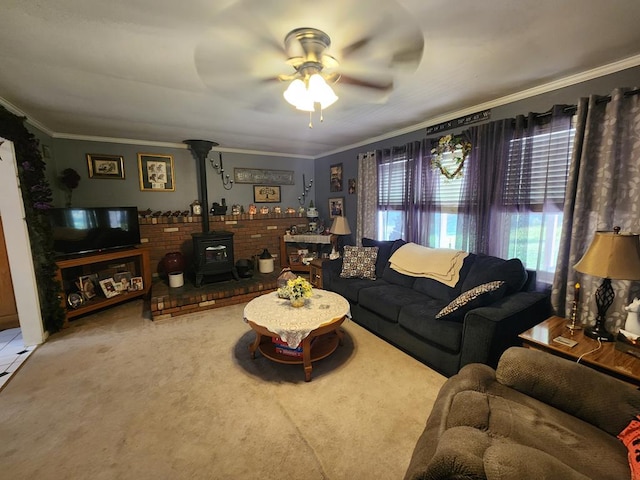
x=104, y=264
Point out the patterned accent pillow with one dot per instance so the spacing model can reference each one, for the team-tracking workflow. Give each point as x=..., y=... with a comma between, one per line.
x=359, y=262
x=479, y=296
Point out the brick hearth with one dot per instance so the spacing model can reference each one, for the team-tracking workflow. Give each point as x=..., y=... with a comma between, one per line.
x=167, y=302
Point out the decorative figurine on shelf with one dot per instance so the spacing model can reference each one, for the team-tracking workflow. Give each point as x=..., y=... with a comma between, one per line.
x=285, y=275
x=235, y=209
x=264, y=210
x=312, y=212
x=277, y=209
x=252, y=209
x=196, y=208
x=632, y=323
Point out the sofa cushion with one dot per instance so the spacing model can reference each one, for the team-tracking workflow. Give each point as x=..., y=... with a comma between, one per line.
x=436, y=289
x=391, y=276
x=419, y=319
x=359, y=262
x=387, y=300
x=486, y=269
x=479, y=296
x=350, y=288
x=384, y=252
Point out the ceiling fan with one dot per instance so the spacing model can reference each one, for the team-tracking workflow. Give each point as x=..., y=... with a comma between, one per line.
x=315, y=70
x=244, y=53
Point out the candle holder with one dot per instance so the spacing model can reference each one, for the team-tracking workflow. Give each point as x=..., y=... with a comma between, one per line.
x=573, y=324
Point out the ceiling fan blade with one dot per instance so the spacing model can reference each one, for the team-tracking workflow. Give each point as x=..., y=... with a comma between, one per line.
x=354, y=47
x=358, y=82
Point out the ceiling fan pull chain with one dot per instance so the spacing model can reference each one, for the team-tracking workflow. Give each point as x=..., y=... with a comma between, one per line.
x=321, y=115
x=310, y=124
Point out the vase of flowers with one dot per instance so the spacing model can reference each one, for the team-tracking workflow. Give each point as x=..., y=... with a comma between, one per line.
x=297, y=290
x=69, y=180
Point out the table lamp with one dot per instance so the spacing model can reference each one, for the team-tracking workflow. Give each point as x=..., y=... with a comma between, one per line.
x=611, y=255
x=340, y=226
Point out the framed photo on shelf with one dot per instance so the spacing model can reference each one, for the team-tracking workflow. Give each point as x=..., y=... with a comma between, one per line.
x=136, y=284
x=88, y=285
x=105, y=166
x=295, y=259
x=266, y=193
x=336, y=207
x=109, y=287
x=156, y=172
x=335, y=178
x=123, y=279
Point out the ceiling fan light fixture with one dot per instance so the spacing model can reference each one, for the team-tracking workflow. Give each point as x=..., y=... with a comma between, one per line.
x=321, y=92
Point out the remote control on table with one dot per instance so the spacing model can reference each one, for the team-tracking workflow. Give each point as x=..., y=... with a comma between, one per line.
x=565, y=341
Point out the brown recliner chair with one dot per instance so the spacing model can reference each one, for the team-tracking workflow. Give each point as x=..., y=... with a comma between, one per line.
x=535, y=416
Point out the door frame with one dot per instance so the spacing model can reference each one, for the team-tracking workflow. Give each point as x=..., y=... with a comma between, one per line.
x=19, y=249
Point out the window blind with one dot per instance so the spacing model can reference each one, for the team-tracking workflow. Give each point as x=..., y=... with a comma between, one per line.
x=393, y=181
x=538, y=168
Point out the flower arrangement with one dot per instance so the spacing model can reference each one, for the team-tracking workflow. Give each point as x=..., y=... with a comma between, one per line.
x=295, y=289
x=70, y=180
x=457, y=147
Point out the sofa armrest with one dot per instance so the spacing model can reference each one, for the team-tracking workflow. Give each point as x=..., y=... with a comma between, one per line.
x=583, y=392
x=489, y=331
x=330, y=271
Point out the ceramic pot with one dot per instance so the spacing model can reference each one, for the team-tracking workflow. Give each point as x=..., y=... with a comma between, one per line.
x=173, y=262
x=297, y=302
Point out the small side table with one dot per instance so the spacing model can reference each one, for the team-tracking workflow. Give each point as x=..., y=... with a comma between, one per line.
x=315, y=271
x=606, y=359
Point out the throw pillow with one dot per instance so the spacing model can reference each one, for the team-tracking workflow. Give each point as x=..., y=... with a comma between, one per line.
x=359, y=262
x=479, y=296
x=384, y=252
x=630, y=436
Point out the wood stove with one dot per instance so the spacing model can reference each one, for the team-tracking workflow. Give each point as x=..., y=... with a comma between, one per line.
x=213, y=254
x=212, y=251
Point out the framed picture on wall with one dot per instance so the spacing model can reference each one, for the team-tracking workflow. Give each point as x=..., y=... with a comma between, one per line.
x=336, y=207
x=266, y=193
x=352, y=186
x=335, y=177
x=105, y=166
x=156, y=172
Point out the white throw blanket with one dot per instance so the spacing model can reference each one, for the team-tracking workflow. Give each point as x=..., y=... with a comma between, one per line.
x=442, y=264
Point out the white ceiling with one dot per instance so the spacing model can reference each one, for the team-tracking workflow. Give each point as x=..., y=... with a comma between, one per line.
x=166, y=70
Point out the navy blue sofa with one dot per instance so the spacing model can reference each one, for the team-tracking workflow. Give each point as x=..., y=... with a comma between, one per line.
x=402, y=309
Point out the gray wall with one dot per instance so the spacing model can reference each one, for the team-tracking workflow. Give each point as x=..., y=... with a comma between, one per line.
x=539, y=103
x=115, y=192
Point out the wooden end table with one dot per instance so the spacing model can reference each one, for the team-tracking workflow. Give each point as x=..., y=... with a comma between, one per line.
x=317, y=323
x=607, y=359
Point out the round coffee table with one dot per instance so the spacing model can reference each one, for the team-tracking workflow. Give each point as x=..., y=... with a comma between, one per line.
x=315, y=327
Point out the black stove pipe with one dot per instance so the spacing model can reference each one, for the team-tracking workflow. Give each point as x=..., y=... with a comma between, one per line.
x=200, y=150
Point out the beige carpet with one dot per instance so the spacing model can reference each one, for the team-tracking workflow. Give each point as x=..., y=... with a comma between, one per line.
x=117, y=396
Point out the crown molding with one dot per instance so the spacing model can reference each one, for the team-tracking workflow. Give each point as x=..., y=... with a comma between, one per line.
x=597, y=72
x=16, y=111
x=594, y=73
x=150, y=143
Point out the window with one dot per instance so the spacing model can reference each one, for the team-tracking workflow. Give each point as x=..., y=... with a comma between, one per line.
x=392, y=190
x=533, y=196
x=528, y=207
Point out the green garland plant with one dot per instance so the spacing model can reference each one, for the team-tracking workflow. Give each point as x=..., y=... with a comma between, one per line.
x=36, y=197
x=458, y=148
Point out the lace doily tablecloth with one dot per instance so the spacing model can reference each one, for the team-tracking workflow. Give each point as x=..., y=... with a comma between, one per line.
x=294, y=324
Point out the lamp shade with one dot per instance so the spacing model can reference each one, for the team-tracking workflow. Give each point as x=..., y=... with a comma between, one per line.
x=340, y=226
x=612, y=255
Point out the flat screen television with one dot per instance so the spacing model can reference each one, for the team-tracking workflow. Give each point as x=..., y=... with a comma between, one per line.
x=85, y=230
